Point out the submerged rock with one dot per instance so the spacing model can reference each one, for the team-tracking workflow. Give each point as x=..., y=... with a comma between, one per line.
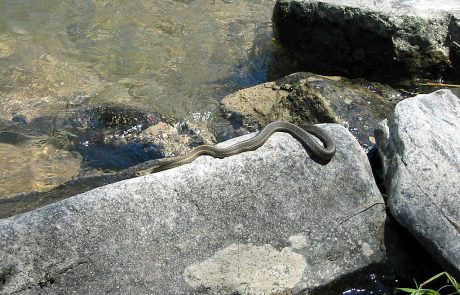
x=306, y=97
x=34, y=166
x=47, y=151
x=260, y=222
x=379, y=40
x=52, y=158
x=420, y=147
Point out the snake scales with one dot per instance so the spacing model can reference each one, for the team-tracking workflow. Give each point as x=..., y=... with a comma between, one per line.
x=304, y=135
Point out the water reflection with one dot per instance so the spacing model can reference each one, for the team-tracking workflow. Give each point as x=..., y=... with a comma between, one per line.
x=175, y=58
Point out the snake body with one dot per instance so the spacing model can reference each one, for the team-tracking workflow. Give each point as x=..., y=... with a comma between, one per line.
x=323, y=152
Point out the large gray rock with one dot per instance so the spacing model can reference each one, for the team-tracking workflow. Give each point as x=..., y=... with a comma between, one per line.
x=420, y=147
x=258, y=222
x=384, y=39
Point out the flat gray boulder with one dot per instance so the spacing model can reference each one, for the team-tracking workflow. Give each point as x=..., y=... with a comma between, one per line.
x=420, y=147
x=259, y=222
x=379, y=40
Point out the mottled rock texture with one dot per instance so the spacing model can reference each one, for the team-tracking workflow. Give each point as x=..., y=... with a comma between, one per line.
x=420, y=147
x=259, y=222
x=379, y=40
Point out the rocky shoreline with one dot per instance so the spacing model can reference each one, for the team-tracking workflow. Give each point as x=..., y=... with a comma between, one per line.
x=211, y=217
x=274, y=221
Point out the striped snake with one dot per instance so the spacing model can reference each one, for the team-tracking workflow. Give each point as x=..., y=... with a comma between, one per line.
x=323, y=152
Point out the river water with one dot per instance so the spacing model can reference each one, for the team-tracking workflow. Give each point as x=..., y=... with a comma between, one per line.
x=177, y=58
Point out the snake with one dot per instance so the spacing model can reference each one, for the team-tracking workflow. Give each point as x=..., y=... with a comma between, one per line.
x=306, y=136
x=323, y=150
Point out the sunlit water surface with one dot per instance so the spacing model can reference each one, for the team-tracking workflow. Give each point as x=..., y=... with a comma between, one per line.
x=176, y=58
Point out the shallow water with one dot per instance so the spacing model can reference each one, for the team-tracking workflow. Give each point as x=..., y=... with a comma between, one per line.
x=176, y=58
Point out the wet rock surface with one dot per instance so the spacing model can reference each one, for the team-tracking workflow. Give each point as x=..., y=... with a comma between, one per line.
x=379, y=40
x=309, y=98
x=420, y=147
x=59, y=147
x=270, y=220
x=85, y=148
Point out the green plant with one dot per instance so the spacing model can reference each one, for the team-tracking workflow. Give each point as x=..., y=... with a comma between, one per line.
x=452, y=286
